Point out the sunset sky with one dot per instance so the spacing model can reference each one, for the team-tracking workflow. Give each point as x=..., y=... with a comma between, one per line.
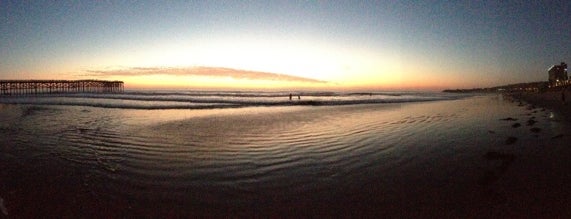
x=384, y=45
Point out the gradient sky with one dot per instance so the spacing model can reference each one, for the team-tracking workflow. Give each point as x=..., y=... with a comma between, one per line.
x=281, y=44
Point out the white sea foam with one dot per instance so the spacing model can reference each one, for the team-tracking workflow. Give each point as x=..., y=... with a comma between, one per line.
x=222, y=99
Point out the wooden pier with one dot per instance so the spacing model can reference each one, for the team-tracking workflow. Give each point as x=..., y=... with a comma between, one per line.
x=35, y=87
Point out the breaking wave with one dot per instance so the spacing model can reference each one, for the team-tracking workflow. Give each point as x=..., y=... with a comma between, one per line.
x=222, y=99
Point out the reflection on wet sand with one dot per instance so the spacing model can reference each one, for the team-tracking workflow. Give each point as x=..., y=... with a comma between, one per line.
x=452, y=158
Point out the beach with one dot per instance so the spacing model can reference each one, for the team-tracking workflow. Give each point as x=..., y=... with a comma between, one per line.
x=552, y=99
x=461, y=157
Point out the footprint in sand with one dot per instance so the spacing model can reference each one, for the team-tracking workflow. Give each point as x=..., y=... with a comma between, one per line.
x=509, y=119
x=511, y=140
x=557, y=136
x=535, y=130
x=493, y=175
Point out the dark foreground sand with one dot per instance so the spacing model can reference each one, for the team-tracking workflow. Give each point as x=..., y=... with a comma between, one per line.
x=481, y=157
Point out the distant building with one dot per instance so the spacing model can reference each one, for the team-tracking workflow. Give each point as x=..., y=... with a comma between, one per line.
x=558, y=74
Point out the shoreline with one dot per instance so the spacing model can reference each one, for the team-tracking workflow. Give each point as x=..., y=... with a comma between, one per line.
x=551, y=100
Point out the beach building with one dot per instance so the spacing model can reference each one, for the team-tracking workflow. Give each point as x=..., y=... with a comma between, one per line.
x=558, y=75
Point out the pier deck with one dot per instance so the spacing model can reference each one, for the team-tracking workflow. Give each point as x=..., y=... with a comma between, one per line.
x=34, y=87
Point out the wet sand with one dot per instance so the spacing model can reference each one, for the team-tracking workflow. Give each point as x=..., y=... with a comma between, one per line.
x=461, y=158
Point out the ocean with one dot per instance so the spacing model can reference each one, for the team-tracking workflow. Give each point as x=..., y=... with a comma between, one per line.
x=244, y=154
x=150, y=99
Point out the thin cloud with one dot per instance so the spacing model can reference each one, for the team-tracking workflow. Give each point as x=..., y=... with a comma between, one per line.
x=200, y=71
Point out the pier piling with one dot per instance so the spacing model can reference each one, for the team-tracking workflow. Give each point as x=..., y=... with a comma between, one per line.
x=35, y=87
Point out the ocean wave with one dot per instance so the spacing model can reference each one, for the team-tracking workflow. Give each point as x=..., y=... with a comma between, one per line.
x=210, y=100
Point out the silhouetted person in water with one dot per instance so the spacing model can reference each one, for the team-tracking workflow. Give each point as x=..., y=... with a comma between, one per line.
x=298, y=97
x=290, y=96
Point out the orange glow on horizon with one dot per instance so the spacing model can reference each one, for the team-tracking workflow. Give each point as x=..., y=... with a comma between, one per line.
x=365, y=77
x=198, y=82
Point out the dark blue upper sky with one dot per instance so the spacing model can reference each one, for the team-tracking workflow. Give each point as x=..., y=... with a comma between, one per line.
x=422, y=44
